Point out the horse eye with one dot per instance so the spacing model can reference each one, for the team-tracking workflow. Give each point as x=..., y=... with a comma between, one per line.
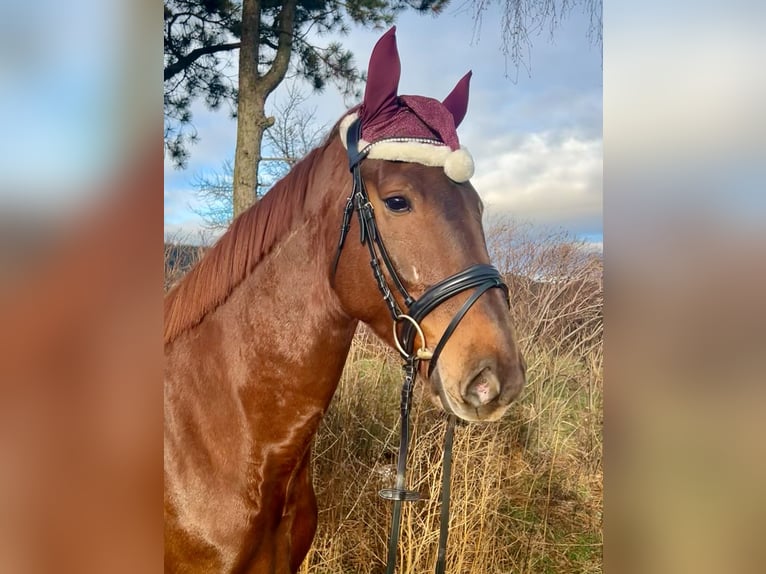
x=397, y=204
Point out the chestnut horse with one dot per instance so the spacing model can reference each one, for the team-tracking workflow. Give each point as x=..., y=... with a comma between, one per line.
x=256, y=337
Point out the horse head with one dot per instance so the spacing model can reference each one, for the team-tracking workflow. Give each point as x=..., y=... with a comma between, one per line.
x=420, y=216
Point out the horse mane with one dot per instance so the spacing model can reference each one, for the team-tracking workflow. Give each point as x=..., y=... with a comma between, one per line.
x=248, y=240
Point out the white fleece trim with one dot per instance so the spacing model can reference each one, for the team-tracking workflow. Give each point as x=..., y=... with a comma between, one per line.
x=458, y=164
x=415, y=152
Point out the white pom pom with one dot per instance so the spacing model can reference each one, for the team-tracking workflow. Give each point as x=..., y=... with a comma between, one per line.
x=459, y=165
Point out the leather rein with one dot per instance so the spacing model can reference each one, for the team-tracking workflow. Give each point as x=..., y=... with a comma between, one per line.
x=406, y=326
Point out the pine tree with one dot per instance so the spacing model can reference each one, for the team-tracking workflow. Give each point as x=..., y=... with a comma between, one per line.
x=272, y=37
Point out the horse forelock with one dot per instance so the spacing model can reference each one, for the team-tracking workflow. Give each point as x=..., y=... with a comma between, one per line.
x=249, y=239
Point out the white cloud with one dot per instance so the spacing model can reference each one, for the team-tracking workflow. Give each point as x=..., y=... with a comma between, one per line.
x=548, y=178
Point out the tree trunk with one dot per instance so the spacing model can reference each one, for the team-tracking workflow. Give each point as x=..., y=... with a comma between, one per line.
x=247, y=155
x=253, y=91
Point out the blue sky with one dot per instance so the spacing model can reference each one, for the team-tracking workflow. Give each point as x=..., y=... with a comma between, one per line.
x=536, y=138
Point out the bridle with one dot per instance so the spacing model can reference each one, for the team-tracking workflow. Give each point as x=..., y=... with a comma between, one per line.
x=406, y=326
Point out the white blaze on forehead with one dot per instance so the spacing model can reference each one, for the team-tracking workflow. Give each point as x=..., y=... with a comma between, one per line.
x=415, y=274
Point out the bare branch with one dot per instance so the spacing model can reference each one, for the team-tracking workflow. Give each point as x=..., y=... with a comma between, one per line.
x=185, y=61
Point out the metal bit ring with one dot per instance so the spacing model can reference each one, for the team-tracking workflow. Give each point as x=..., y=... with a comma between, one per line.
x=423, y=353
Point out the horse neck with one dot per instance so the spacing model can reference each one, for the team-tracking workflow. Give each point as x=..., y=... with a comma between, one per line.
x=289, y=318
x=281, y=338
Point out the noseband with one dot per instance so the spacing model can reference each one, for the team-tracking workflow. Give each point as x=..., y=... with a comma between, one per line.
x=406, y=326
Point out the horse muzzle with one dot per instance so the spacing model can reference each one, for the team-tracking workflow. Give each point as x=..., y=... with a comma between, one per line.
x=482, y=392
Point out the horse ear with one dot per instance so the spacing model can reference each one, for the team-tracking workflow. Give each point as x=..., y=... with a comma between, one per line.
x=382, y=77
x=457, y=101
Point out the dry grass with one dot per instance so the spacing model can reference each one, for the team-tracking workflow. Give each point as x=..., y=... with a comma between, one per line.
x=526, y=491
x=179, y=257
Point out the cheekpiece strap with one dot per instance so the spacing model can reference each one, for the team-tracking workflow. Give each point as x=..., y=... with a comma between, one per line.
x=353, y=135
x=368, y=230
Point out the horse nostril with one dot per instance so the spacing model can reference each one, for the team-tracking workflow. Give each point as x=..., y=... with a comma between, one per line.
x=483, y=388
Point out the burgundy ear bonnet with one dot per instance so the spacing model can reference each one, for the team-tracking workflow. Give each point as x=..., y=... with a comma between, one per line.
x=409, y=128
